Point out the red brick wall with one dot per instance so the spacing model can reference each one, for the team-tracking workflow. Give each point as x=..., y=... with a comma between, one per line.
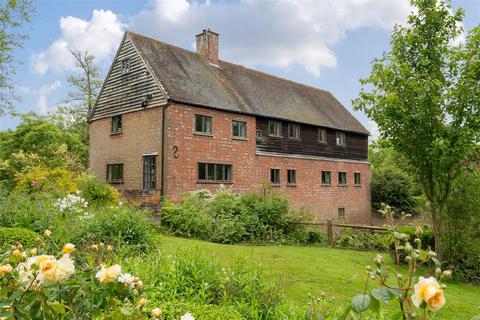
x=250, y=171
x=181, y=173
x=141, y=134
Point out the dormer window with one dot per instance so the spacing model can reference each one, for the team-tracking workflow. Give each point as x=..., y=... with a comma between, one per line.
x=126, y=66
x=294, y=131
x=274, y=128
x=341, y=140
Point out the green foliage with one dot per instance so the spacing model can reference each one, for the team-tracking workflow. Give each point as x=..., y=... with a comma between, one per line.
x=98, y=193
x=393, y=188
x=12, y=236
x=462, y=230
x=425, y=98
x=124, y=224
x=231, y=218
x=57, y=181
x=193, y=276
x=13, y=16
x=364, y=241
x=173, y=310
x=38, y=143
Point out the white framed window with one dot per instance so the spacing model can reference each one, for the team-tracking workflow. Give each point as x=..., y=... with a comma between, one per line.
x=239, y=129
x=291, y=177
x=274, y=128
x=342, y=178
x=203, y=124
x=357, y=178
x=294, y=131
x=126, y=66
x=326, y=178
x=341, y=139
x=322, y=135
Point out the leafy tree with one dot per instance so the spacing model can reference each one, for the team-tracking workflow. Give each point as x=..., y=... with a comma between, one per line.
x=425, y=97
x=37, y=142
x=73, y=114
x=13, y=14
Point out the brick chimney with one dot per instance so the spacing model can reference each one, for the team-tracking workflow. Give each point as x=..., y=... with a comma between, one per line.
x=207, y=45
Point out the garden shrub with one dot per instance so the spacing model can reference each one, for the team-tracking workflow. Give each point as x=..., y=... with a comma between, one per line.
x=11, y=236
x=392, y=187
x=173, y=310
x=461, y=238
x=123, y=224
x=98, y=193
x=56, y=181
x=226, y=217
x=363, y=240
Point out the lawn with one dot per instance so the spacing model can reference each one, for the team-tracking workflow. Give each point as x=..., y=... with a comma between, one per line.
x=303, y=270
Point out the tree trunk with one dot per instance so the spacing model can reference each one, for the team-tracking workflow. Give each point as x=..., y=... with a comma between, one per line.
x=437, y=229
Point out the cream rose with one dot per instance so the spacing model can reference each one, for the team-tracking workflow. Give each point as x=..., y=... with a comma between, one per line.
x=428, y=290
x=68, y=248
x=106, y=275
x=7, y=268
x=187, y=316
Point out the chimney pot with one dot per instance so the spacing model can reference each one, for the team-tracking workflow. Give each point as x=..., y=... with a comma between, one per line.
x=207, y=45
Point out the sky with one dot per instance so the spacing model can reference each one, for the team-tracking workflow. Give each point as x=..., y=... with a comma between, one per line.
x=327, y=44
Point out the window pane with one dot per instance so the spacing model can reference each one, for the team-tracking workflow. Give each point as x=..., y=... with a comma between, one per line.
x=322, y=135
x=208, y=124
x=243, y=129
x=292, y=176
x=340, y=138
x=210, y=171
x=198, y=123
x=275, y=176
x=228, y=172
x=342, y=178
x=202, y=172
x=275, y=128
x=235, y=130
x=341, y=214
x=219, y=172
x=357, y=178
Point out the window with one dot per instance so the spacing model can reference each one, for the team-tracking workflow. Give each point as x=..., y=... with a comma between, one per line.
x=115, y=172
x=326, y=178
x=293, y=131
x=258, y=134
x=275, y=176
x=357, y=178
x=275, y=128
x=214, y=172
x=116, y=124
x=125, y=66
x=203, y=124
x=342, y=178
x=341, y=141
x=239, y=129
x=149, y=172
x=292, y=177
x=341, y=215
x=322, y=135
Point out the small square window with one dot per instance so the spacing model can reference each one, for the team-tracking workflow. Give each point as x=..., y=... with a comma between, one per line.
x=274, y=128
x=203, y=124
x=342, y=178
x=275, y=176
x=326, y=178
x=125, y=66
x=341, y=140
x=117, y=124
x=357, y=178
x=291, y=177
x=341, y=215
x=322, y=135
x=239, y=129
x=293, y=131
x=115, y=173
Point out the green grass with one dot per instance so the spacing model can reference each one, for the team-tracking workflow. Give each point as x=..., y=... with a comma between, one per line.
x=300, y=270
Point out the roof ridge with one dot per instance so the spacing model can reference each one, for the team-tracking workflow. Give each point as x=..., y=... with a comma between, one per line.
x=232, y=63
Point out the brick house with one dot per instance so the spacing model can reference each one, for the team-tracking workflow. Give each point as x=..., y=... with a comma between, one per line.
x=169, y=121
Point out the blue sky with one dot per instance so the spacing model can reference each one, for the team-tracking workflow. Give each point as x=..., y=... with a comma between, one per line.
x=328, y=44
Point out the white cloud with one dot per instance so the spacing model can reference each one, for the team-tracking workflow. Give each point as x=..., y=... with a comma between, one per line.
x=42, y=105
x=100, y=36
x=278, y=33
x=43, y=92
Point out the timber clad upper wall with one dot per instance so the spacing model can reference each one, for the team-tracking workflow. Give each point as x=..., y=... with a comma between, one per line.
x=356, y=147
x=124, y=93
